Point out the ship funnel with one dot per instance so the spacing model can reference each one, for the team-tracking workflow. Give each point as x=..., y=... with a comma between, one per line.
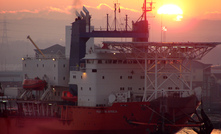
x=77, y=14
x=83, y=15
x=87, y=17
x=85, y=10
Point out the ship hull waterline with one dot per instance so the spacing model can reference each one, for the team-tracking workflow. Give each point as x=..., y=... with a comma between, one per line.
x=117, y=118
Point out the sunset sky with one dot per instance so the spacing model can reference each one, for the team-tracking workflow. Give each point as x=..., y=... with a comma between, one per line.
x=45, y=20
x=192, y=8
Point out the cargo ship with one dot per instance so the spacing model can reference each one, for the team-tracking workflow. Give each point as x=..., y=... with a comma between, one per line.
x=136, y=87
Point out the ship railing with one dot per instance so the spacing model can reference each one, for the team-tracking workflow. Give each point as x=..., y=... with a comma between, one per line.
x=44, y=109
x=8, y=105
x=111, y=29
x=54, y=58
x=7, y=98
x=169, y=92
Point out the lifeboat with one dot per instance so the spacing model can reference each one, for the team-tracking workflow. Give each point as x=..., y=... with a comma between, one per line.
x=66, y=95
x=34, y=84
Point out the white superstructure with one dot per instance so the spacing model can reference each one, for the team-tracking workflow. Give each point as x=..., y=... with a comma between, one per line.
x=136, y=72
x=54, y=71
x=106, y=74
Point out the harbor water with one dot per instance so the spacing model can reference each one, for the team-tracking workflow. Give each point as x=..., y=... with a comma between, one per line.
x=190, y=131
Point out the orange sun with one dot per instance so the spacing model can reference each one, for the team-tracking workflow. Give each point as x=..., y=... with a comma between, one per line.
x=171, y=9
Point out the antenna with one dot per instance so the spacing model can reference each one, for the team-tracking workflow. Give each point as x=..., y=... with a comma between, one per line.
x=107, y=22
x=145, y=10
x=126, y=23
x=115, y=14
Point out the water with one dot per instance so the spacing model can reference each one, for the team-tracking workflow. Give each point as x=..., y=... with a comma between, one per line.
x=190, y=131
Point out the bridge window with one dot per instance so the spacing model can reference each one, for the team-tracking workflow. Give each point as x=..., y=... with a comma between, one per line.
x=99, y=61
x=165, y=77
x=114, y=61
x=129, y=61
x=108, y=61
x=119, y=61
x=130, y=77
x=125, y=62
x=142, y=77
x=121, y=88
x=90, y=61
x=94, y=70
x=170, y=88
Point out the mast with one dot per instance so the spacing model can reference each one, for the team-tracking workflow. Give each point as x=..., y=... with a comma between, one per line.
x=126, y=23
x=145, y=10
x=107, y=22
x=115, y=16
x=116, y=5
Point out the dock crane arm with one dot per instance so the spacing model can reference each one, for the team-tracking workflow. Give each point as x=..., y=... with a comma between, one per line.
x=35, y=45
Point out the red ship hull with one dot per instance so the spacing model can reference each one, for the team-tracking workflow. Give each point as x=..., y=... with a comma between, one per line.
x=34, y=84
x=130, y=118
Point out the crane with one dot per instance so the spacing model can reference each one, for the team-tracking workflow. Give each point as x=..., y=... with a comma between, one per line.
x=35, y=45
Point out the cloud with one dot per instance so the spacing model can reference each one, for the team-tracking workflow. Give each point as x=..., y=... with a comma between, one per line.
x=99, y=6
x=68, y=10
x=104, y=4
x=129, y=9
x=77, y=4
x=65, y=10
x=213, y=15
x=19, y=11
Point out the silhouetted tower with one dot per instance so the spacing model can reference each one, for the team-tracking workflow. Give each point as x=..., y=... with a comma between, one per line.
x=4, y=35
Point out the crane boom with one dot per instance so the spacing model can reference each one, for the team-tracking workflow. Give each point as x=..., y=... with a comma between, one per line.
x=35, y=45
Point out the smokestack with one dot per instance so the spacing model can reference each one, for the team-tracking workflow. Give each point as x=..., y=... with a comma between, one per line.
x=88, y=19
x=77, y=14
x=83, y=15
x=85, y=10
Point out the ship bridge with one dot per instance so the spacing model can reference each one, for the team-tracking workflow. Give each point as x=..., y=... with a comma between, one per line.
x=164, y=63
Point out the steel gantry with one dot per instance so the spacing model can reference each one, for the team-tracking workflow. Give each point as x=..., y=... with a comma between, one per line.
x=167, y=66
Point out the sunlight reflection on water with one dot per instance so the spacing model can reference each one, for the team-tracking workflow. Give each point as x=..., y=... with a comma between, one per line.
x=190, y=131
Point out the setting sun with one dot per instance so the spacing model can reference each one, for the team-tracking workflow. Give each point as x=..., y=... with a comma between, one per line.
x=171, y=9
